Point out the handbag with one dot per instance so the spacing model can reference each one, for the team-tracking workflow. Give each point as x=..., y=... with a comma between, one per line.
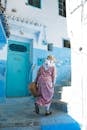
x=33, y=88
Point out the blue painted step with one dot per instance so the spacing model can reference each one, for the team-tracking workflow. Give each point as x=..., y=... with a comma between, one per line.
x=59, y=122
x=60, y=105
x=21, y=128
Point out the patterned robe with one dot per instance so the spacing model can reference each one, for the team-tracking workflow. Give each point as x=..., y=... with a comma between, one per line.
x=45, y=81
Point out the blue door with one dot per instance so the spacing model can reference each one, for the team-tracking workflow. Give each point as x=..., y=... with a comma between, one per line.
x=19, y=63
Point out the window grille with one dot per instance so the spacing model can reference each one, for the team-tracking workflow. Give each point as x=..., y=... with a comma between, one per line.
x=66, y=43
x=35, y=3
x=62, y=7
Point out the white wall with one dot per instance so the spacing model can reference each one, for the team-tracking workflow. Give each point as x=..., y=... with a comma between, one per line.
x=3, y=52
x=47, y=15
x=77, y=30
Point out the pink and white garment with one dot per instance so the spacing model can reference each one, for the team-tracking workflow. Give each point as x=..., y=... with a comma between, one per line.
x=45, y=80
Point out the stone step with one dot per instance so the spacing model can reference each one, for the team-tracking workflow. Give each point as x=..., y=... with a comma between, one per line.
x=57, y=92
x=19, y=113
x=60, y=105
x=60, y=122
x=22, y=128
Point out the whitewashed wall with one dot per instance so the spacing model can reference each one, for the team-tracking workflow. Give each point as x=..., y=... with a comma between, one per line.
x=3, y=53
x=48, y=15
x=77, y=29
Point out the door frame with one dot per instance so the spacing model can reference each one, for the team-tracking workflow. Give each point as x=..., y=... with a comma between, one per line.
x=30, y=41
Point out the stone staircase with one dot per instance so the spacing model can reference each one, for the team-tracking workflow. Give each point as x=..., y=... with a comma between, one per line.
x=18, y=114
x=62, y=97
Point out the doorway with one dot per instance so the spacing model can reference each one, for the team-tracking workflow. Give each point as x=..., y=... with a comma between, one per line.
x=19, y=63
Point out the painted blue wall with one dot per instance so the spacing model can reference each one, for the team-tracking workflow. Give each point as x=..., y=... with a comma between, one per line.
x=2, y=80
x=3, y=41
x=2, y=33
x=63, y=64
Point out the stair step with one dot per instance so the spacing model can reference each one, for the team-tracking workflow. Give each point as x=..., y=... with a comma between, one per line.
x=22, y=128
x=60, y=105
x=59, y=122
x=20, y=113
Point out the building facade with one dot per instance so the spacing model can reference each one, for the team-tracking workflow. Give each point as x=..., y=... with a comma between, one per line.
x=36, y=28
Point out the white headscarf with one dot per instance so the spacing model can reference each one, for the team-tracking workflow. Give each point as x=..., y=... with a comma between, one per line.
x=48, y=63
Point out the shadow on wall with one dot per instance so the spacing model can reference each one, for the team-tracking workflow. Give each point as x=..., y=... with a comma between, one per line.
x=63, y=64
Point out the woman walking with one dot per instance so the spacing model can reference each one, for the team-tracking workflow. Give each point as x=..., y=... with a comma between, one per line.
x=45, y=81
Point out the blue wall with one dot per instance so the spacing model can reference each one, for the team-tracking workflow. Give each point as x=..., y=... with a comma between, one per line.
x=2, y=33
x=3, y=41
x=63, y=64
x=2, y=79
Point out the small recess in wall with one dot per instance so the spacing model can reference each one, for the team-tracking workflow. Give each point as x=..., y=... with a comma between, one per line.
x=50, y=47
x=14, y=10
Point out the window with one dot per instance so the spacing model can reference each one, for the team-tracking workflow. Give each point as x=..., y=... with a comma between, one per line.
x=35, y=3
x=18, y=48
x=66, y=43
x=62, y=7
x=50, y=47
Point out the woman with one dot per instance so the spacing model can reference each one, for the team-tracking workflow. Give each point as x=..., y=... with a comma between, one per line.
x=45, y=81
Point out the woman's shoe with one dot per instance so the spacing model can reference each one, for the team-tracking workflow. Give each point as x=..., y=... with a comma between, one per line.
x=48, y=113
x=36, y=108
